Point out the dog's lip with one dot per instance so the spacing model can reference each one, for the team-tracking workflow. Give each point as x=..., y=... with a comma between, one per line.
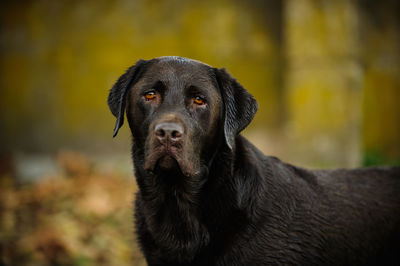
x=170, y=151
x=167, y=162
x=158, y=153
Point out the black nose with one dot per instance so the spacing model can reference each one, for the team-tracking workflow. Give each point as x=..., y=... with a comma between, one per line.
x=168, y=131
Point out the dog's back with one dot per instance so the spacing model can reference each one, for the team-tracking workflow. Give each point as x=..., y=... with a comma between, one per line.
x=347, y=217
x=364, y=208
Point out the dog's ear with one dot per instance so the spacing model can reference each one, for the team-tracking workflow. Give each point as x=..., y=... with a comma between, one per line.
x=239, y=105
x=117, y=96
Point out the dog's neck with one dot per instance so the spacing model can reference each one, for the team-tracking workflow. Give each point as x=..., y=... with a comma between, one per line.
x=174, y=203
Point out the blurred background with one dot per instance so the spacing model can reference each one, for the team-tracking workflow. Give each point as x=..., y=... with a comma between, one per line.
x=326, y=74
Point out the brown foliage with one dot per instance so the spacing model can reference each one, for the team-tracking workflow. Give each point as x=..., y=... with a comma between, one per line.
x=79, y=217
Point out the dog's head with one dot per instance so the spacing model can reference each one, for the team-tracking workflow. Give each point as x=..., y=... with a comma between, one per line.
x=180, y=111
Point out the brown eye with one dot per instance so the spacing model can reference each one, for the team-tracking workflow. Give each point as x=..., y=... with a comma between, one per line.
x=151, y=95
x=199, y=101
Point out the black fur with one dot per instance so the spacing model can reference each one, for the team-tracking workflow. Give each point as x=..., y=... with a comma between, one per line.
x=116, y=98
x=220, y=201
x=240, y=106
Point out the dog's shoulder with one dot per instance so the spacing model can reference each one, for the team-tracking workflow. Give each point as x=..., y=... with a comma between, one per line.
x=360, y=178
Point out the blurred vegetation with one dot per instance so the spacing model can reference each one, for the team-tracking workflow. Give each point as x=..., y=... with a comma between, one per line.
x=77, y=217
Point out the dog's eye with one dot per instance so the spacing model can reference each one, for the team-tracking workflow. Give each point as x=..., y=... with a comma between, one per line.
x=199, y=101
x=150, y=95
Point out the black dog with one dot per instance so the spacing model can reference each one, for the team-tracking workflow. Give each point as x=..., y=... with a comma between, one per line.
x=208, y=197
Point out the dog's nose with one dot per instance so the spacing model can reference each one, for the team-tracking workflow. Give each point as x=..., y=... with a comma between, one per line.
x=168, y=131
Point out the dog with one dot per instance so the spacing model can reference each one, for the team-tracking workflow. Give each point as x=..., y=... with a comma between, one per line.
x=207, y=196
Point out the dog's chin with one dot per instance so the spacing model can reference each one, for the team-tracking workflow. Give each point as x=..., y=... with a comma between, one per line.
x=160, y=161
x=168, y=163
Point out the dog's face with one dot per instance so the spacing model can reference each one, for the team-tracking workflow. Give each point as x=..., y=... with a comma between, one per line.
x=178, y=107
x=180, y=111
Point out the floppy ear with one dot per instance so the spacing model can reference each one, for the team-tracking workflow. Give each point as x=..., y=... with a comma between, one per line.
x=239, y=105
x=117, y=97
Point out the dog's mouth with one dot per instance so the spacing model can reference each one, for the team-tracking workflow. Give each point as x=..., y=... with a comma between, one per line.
x=168, y=159
x=167, y=162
